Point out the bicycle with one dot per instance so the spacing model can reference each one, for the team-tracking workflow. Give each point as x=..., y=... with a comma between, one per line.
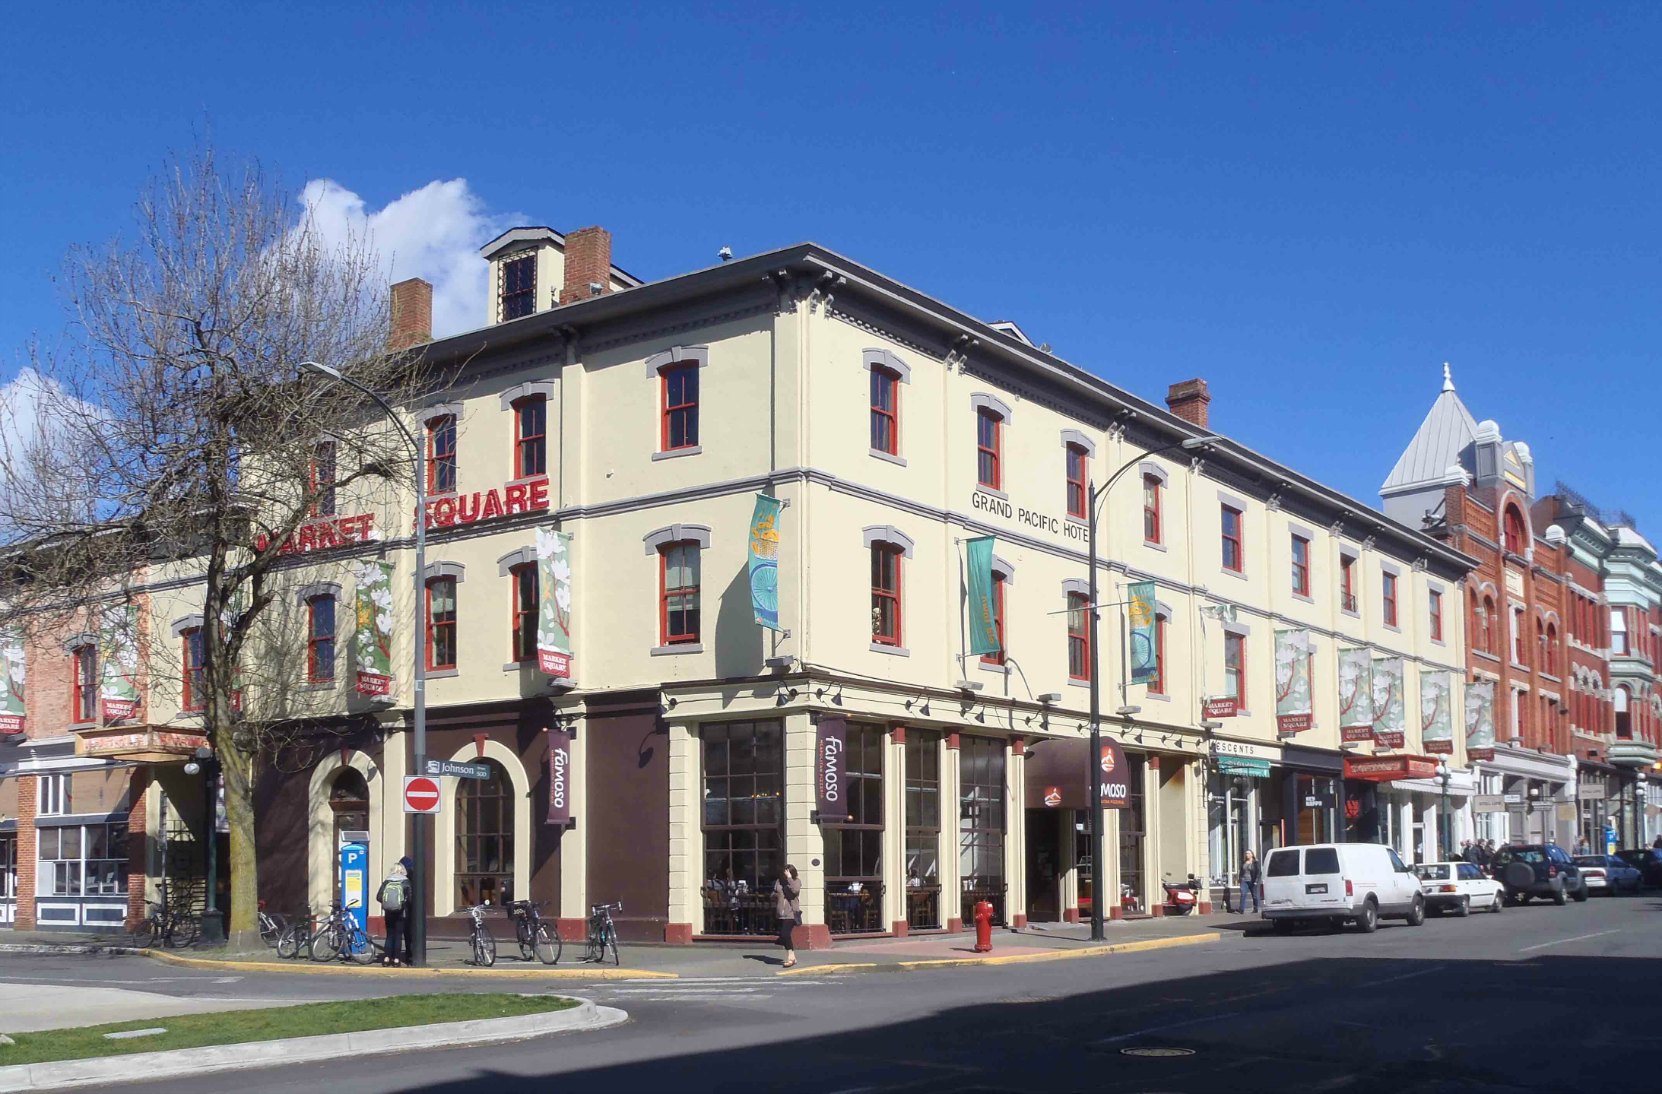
x=602, y=934
x=537, y=937
x=271, y=926
x=340, y=936
x=480, y=938
x=296, y=936
x=165, y=924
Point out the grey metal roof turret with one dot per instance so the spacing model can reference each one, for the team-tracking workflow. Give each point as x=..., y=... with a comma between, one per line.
x=1441, y=443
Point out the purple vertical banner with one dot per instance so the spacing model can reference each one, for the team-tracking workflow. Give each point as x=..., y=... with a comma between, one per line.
x=831, y=768
x=559, y=777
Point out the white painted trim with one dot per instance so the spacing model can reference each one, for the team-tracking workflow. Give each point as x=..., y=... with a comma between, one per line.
x=321, y=855
x=444, y=841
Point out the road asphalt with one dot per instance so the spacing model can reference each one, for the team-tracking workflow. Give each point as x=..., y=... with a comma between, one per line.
x=1538, y=997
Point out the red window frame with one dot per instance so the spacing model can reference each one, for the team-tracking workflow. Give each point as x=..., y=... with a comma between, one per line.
x=1436, y=616
x=1516, y=530
x=885, y=410
x=687, y=597
x=1079, y=636
x=441, y=454
x=1078, y=492
x=192, y=655
x=83, y=700
x=523, y=606
x=1301, y=566
x=441, y=628
x=882, y=596
x=989, y=470
x=682, y=413
x=997, y=657
x=519, y=287
x=320, y=647
x=320, y=479
x=1388, y=598
x=1347, y=582
x=1235, y=660
x=1151, y=509
x=530, y=436
x=1232, y=544
x=1157, y=683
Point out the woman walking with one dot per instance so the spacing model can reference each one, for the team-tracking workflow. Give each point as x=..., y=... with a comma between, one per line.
x=1249, y=884
x=394, y=897
x=788, y=908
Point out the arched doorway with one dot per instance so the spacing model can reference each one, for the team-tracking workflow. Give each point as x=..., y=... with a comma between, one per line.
x=349, y=806
x=485, y=839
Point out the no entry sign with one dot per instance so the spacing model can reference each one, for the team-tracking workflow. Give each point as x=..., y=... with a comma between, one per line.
x=421, y=794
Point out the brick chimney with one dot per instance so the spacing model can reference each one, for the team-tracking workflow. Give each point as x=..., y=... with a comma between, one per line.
x=412, y=314
x=1188, y=401
x=588, y=262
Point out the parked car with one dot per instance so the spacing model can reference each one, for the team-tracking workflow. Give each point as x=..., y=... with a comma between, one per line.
x=1648, y=861
x=1538, y=870
x=1608, y=874
x=1337, y=883
x=1458, y=887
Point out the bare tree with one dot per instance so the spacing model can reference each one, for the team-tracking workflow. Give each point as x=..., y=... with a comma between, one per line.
x=173, y=434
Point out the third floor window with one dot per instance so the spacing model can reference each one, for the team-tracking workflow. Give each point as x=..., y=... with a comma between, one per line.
x=679, y=596
x=1436, y=604
x=885, y=410
x=441, y=623
x=320, y=475
x=531, y=437
x=84, y=701
x=680, y=396
x=519, y=287
x=1389, y=599
x=1151, y=509
x=1078, y=491
x=320, y=639
x=441, y=454
x=1301, y=566
x=989, y=449
x=1234, y=553
x=1347, y=582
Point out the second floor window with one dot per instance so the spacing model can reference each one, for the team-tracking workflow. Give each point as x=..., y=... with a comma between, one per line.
x=321, y=479
x=84, y=701
x=193, y=656
x=679, y=592
x=1436, y=616
x=441, y=454
x=1234, y=668
x=885, y=410
x=885, y=594
x=1301, y=566
x=680, y=427
x=530, y=437
x=54, y=799
x=1079, y=636
x=525, y=608
x=997, y=656
x=1618, y=632
x=519, y=287
x=1234, y=554
x=988, y=449
x=1151, y=509
x=320, y=639
x=1078, y=492
x=441, y=623
x=1390, y=599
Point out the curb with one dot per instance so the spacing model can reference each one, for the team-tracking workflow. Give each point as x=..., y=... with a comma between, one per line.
x=342, y=969
x=1006, y=959
x=301, y=1050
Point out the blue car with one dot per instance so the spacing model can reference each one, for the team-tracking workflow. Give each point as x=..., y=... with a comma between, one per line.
x=1648, y=861
x=1608, y=874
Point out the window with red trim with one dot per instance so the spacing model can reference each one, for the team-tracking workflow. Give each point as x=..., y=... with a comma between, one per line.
x=193, y=657
x=441, y=454
x=885, y=410
x=1157, y=682
x=1436, y=616
x=988, y=448
x=997, y=656
x=1517, y=539
x=1301, y=566
x=320, y=479
x=1151, y=509
x=1234, y=554
x=885, y=593
x=524, y=610
x=84, y=700
x=1234, y=668
x=320, y=638
x=1389, y=598
x=519, y=287
x=1079, y=636
x=1347, y=582
x=1078, y=492
x=441, y=623
x=530, y=436
x=678, y=585
x=680, y=397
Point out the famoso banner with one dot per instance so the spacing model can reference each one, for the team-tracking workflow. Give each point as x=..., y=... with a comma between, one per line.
x=1355, y=694
x=559, y=777
x=554, y=650
x=1389, y=704
x=1139, y=613
x=831, y=768
x=1436, y=717
x=983, y=623
x=1292, y=681
x=372, y=632
x=764, y=561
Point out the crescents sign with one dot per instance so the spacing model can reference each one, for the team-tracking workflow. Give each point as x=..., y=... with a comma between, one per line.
x=519, y=497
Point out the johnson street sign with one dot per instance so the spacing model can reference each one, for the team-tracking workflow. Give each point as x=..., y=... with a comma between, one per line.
x=435, y=768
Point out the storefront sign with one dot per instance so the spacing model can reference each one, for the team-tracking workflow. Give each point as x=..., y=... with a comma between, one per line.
x=1389, y=707
x=764, y=562
x=482, y=505
x=978, y=580
x=1139, y=616
x=983, y=502
x=1591, y=792
x=1116, y=789
x=1488, y=803
x=140, y=746
x=554, y=607
x=13, y=665
x=1355, y=694
x=1267, y=753
x=1389, y=768
x=456, y=770
x=321, y=535
x=118, y=658
x=1292, y=681
x=1480, y=720
x=1240, y=765
x=831, y=768
x=372, y=629
x=1221, y=707
x=1053, y=797
x=559, y=777
x=1436, y=715
x=1512, y=799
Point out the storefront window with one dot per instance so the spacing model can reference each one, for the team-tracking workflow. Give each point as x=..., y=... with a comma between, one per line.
x=1315, y=802
x=8, y=867
x=485, y=839
x=83, y=860
x=1133, y=833
x=981, y=825
x=923, y=830
x=853, y=848
x=1229, y=824
x=744, y=826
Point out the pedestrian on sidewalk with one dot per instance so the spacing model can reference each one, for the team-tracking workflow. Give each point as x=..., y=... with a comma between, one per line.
x=394, y=898
x=1249, y=883
x=1582, y=847
x=788, y=908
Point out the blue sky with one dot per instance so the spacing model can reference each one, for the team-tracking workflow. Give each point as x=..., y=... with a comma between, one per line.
x=1312, y=206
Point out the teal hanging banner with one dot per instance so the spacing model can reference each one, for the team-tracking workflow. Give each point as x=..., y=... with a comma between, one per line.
x=764, y=562
x=1139, y=613
x=983, y=623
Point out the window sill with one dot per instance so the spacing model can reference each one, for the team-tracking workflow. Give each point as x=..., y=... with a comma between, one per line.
x=527, y=480
x=515, y=666
x=1238, y=574
x=1520, y=667
x=1155, y=545
x=76, y=727
x=1306, y=597
x=676, y=453
x=1486, y=655
x=892, y=651
x=888, y=457
x=441, y=674
x=1157, y=697
x=1073, y=683
x=1392, y=627
x=993, y=490
x=677, y=648
x=318, y=685
x=1438, y=642
x=191, y=715
x=997, y=670
x=1349, y=612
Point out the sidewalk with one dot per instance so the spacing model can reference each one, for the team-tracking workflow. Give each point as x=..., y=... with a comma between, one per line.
x=1038, y=942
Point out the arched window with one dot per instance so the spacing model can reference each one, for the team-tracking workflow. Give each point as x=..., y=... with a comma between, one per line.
x=84, y=698
x=1623, y=699
x=1549, y=655
x=485, y=839
x=1486, y=628
x=1517, y=539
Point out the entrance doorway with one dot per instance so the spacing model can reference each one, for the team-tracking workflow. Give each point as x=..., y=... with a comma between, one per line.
x=1044, y=865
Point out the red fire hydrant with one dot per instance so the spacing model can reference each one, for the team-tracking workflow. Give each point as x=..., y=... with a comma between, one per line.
x=983, y=926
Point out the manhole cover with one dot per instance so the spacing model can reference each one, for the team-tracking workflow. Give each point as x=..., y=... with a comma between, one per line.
x=1153, y=1050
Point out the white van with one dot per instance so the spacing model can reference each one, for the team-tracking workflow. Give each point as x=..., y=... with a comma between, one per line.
x=1358, y=883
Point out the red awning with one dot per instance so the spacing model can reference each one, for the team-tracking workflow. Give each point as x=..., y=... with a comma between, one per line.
x=1384, y=769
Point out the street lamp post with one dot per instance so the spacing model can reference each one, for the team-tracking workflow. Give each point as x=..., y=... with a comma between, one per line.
x=419, y=821
x=1443, y=777
x=1639, y=812
x=1093, y=809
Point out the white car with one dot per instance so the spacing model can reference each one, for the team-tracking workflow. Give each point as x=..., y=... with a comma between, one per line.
x=1358, y=883
x=1459, y=887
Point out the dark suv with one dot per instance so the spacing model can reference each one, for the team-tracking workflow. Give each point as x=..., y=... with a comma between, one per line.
x=1646, y=860
x=1538, y=869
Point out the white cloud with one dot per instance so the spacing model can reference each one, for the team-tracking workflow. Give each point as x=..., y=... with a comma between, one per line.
x=433, y=233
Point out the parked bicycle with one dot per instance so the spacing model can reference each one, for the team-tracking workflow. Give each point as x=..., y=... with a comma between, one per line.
x=271, y=926
x=340, y=936
x=296, y=937
x=602, y=934
x=480, y=938
x=538, y=937
x=166, y=924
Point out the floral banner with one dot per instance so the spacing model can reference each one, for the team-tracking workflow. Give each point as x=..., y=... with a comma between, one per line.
x=372, y=631
x=1389, y=705
x=1292, y=681
x=1355, y=694
x=1436, y=717
x=764, y=562
x=118, y=656
x=1480, y=720
x=554, y=611
x=13, y=664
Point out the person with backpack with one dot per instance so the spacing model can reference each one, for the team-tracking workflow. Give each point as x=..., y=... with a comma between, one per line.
x=394, y=897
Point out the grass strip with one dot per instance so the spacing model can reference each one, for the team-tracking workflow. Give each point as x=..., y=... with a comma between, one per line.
x=302, y=1020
